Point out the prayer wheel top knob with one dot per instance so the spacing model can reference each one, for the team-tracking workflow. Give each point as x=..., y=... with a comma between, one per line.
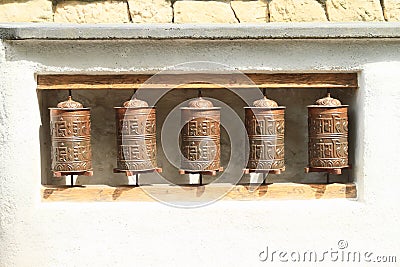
x=69, y=104
x=200, y=103
x=265, y=103
x=328, y=101
x=135, y=103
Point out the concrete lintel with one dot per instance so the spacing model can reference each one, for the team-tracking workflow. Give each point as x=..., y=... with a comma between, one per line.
x=51, y=31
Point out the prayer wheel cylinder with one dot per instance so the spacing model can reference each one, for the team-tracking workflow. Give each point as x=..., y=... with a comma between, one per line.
x=328, y=134
x=136, y=136
x=200, y=136
x=265, y=126
x=70, y=138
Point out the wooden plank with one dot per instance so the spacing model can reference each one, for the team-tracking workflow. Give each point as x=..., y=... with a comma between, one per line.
x=172, y=193
x=196, y=80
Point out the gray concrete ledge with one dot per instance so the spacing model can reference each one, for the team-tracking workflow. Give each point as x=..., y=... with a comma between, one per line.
x=51, y=31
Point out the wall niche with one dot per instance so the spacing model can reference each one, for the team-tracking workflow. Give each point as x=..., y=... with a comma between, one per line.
x=102, y=93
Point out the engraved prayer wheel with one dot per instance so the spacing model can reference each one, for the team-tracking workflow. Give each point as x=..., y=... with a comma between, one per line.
x=70, y=139
x=328, y=135
x=136, y=136
x=265, y=125
x=200, y=136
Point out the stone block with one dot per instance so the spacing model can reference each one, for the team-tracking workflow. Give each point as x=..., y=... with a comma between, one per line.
x=354, y=10
x=26, y=11
x=109, y=11
x=203, y=12
x=296, y=11
x=392, y=10
x=251, y=11
x=150, y=11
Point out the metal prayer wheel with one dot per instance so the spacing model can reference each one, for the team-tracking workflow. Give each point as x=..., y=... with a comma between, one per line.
x=200, y=136
x=265, y=125
x=136, y=136
x=328, y=135
x=70, y=139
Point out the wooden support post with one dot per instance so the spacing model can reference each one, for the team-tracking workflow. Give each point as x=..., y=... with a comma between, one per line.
x=196, y=177
x=133, y=176
x=255, y=178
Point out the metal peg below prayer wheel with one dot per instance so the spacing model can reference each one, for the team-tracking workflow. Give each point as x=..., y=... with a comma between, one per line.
x=328, y=136
x=136, y=137
x=71, y=152
x=265, y=125
x=200, y=137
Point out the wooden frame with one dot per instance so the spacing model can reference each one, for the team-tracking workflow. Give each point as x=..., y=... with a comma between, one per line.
x=180, y=193
x=135, y=81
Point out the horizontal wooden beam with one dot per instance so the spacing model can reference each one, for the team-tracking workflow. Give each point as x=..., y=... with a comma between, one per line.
x=196, y=80
x=172, y=193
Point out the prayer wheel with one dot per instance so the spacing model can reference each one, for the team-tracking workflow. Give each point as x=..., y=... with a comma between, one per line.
x=70, y=139
x=200, y=136
x=265, y=125
x=136, y=137
x=328, y=135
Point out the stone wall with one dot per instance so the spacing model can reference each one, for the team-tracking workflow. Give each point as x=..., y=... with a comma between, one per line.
x=192, y=11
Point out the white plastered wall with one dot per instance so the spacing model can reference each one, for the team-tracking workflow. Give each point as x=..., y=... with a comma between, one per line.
x=225, y=233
